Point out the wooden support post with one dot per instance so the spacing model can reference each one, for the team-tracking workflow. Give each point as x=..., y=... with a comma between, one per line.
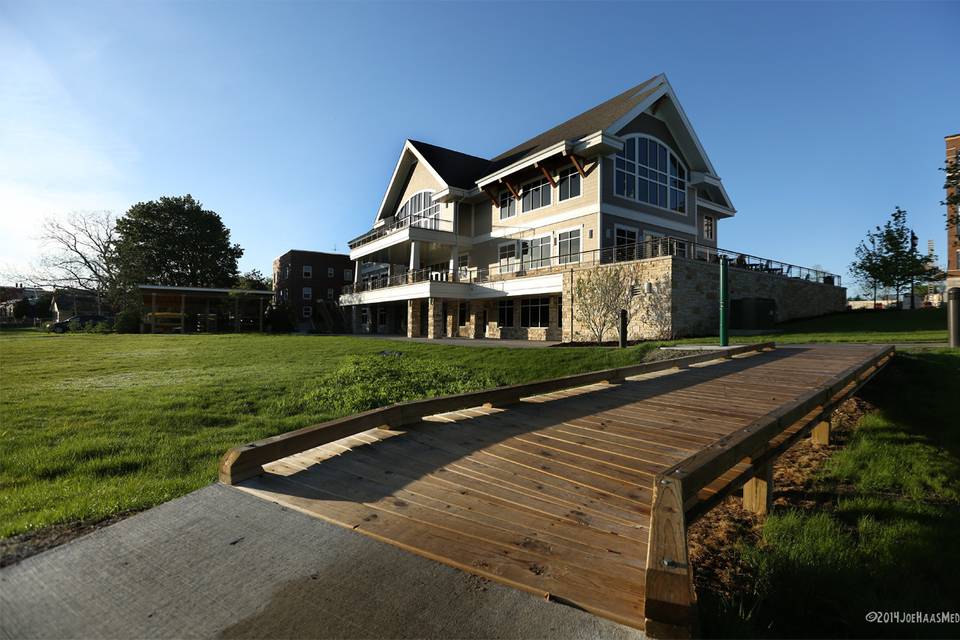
x=669, y=596
x=758, y=491
x=493, y=200
x=512, y=189
x=821, y=433
x=547, y=175
x=578, y=165
x=236, y=314
x=153, y=313
x=183, y=313
x=260, y=316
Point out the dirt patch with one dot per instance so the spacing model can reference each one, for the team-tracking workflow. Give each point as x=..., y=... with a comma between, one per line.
x=718, y=573
x=21, y=546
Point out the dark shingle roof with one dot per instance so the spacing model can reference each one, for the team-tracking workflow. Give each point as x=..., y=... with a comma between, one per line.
x=463, y=170
x=457, y=169
x=595, y=119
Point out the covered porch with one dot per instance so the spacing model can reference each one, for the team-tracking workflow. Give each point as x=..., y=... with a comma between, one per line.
x=201, y=310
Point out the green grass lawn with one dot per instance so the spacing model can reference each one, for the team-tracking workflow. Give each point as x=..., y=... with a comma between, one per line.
x=95, y=425
x=888, y=326
x=887, y=539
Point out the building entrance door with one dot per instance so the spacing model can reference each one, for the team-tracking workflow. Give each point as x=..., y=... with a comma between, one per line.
x=423, y=317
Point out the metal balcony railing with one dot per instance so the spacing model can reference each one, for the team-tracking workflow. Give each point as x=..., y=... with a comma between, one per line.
x=527, y=265
x=433, y=223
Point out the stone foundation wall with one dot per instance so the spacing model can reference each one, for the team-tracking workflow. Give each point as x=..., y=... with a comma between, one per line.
x=651, y=317
x=679, y=297
x=696, y=295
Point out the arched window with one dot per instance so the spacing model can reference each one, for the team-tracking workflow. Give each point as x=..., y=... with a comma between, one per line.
x=419, y=210
x=648, y=171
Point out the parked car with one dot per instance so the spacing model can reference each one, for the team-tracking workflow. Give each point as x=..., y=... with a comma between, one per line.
x=81, y=321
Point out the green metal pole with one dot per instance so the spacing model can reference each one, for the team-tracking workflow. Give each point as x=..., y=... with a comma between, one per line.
x=724, y=302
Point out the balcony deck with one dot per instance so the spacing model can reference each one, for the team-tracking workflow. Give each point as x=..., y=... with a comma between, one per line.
x=650, y=249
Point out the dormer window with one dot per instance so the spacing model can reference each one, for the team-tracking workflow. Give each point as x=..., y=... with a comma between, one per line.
x=647, y=171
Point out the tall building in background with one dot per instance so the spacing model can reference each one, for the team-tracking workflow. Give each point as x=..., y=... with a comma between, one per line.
x=953, y=230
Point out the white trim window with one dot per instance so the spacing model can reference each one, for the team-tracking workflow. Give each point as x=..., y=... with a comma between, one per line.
x=568, y=245
x=307, y=311
x=568, y=184
x=331, y=272
x=420, y=210
x=709, y=228
x=308, y=293
x=646, y=170
x=535, y=253
x=330, y=293
x=307, y=271
x=535, y=195
x=507, y=257
x=508, y=205
x=348, y=275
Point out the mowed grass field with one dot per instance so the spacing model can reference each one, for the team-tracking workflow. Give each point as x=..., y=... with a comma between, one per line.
x=96, y=425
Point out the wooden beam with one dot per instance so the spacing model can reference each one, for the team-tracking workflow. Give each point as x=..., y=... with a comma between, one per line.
x=493, y=200
x=669, y=595
x=758, y=491
x=183, y=313
x=820, y=435
x=547, y=175
x=578, y=164
x=510, y=187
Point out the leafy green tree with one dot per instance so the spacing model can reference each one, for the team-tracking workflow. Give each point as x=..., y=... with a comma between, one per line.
x=254, y=280
x=868, y=268
x=174, y=241
x=889, y=257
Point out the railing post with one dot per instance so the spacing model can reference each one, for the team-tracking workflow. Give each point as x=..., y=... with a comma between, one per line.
x=669, y=596
x=724, y=301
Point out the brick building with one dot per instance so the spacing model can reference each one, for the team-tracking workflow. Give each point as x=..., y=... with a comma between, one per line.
x=311, y=282
x=953, y=231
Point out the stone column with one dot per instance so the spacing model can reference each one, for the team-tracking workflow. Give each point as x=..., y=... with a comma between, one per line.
x=413, y=318
x=355, y=319
x=475, y=319
x=435, y=319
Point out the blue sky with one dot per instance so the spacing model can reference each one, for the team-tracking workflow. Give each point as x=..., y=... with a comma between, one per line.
x=287, y=117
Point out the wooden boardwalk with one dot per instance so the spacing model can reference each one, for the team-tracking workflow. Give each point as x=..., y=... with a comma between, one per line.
x=552, y=494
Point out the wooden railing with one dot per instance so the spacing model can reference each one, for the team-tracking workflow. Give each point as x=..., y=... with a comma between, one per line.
x=247, y=461
x=742, y=459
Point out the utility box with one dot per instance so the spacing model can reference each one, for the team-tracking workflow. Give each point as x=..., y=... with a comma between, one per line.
x=753, y=314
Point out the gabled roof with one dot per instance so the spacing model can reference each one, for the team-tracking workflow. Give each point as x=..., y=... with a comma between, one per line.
x=464, y=171
x=457, y=169
x=598, y=118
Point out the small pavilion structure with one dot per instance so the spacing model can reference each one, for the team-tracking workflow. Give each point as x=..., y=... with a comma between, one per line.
x=201, y=310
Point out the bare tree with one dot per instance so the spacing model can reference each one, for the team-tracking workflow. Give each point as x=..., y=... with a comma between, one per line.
x=600, y=293
x=75, y=254
x=653, y=306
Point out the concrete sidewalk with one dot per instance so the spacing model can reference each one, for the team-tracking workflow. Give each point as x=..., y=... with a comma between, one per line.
x=220, y=563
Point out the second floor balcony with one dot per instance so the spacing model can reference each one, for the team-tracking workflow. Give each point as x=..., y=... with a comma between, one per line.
x=426, y=228
x=531, y=265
